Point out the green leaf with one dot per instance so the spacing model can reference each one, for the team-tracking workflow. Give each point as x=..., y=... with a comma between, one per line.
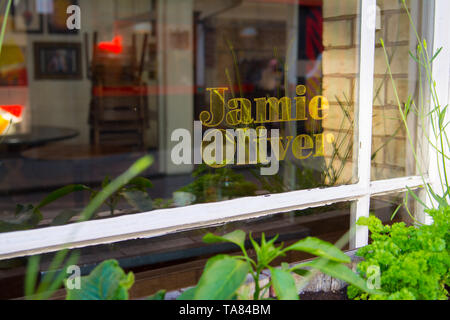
x=237, y=237
x=139, y=200
x=413, y=194
x=64, y=217
x=160, y=295
x=106, y=282
x=285, y=266
x=141, y=182
x=64, y=191
x=22, y=209
x=137, y=168
x=26, y=218
x=340, y=271
x=52, y=281
x=188, y=294
x=31, y=275
x=414, y=57
x=319, y=248
x=221, y=279
x=301, y=272
x=441, y=201
x=100, y=197
x=268, y=251
x=284, y=285
x=212, y=260
x=396, y=211
x=4, y=24
x=436, y=54
x=256, y=247
x=442, y=116
x=106, y=181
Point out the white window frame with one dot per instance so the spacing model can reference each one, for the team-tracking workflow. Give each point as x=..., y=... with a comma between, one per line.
x=162, y=222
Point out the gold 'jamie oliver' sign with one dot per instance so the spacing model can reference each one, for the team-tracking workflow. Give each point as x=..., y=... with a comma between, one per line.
x=270, y=110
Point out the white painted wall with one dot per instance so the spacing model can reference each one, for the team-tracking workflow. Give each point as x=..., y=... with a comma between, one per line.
x=176, y=109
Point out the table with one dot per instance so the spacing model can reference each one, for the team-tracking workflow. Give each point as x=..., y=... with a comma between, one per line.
x=38, y=136
x=12, y=146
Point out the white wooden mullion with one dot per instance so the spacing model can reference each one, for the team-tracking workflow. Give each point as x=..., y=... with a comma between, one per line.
x=368, y=9
x=165, y=221
x=161, y=222
x=397, y=185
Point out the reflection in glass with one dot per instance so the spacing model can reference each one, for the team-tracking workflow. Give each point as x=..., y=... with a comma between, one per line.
x=180, y=80
x=176, y=261
x=148, y=76
x=395, y=208
x=391, y=153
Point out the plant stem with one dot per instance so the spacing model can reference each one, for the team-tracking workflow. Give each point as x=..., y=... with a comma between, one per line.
x=5, y=20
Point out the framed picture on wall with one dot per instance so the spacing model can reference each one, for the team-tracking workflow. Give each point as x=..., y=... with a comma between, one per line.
x=25, y=17
x=57, y=19
x=57, y=60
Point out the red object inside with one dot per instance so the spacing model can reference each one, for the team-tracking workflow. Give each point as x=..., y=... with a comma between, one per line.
x=115, y=46
x=15, y=110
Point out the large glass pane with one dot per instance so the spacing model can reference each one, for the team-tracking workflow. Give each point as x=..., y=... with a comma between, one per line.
x=392, y=208
x=392, y=155
x=231, y=98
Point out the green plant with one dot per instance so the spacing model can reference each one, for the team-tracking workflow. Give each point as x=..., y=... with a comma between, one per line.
x=106, y=282
x=56, y=275
x=214, y=184
x=413, y=263
x=28, y=217
x=432, y=121
x=160, y=203
x=134, y=192
x=224, y=275
x=4, y=22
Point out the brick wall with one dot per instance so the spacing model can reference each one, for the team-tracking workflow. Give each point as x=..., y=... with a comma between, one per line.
x=340, y=69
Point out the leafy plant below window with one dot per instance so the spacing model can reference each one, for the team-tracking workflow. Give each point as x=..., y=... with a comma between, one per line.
x=106, y=282
x=62, y=260
x=224, y=275
x=413, y=263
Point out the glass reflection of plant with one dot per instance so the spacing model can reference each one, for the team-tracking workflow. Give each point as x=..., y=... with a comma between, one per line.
x=384, y=126
x=29, y=216
x=432, y=116
x=47, y=285
x=310, y=173
x=216, y=184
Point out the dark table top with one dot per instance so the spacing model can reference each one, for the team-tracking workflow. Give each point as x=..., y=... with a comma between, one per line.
x=39, y=135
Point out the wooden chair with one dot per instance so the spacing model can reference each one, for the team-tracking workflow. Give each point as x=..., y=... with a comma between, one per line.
x=119, y=104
